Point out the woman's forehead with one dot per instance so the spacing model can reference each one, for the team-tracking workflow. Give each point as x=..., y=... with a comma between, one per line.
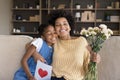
x=62, y=19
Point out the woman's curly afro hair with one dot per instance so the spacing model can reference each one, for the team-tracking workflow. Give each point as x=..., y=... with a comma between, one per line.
x=61, y=13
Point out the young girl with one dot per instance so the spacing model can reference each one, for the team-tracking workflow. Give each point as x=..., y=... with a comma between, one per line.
x=41, y=45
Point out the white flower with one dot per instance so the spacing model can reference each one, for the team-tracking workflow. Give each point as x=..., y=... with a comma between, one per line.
x=90, y=29
x=110, y=32
x=103, y=26
x=96, y=32
x=92, y=33
x=96, y=29
x=84, y=32
x=105, y=31
x=107, y=36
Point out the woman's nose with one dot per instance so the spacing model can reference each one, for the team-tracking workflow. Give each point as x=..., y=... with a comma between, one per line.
x=62, y=26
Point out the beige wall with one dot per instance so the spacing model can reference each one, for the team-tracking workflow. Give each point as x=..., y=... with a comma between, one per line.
x=5, y=16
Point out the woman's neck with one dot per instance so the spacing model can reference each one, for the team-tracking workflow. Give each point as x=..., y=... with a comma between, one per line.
x=65, y=37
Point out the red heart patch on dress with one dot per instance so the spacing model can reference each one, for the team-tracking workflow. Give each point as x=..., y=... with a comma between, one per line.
x=42, y=72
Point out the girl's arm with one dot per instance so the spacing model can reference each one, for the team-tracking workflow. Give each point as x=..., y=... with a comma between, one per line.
x=38, y=56
x=37, y=43
x=25, y=58
x=35, y=55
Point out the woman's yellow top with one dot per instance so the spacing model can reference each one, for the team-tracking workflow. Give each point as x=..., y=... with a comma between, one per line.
x=70, y=58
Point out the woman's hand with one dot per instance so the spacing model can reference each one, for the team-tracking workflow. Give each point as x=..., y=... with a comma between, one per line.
x=95, y=57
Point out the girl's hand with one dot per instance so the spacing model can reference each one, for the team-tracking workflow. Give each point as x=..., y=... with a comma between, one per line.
x=41, y=58
x=32, y=78
x=37, y=56
x=95, y=57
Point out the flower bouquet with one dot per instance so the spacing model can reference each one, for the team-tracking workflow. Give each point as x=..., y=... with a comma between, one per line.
x=95, y=37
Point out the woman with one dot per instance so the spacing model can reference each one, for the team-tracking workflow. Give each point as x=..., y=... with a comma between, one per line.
x=71, y=55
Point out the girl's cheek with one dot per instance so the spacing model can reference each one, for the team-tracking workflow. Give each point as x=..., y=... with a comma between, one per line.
x=57, y=31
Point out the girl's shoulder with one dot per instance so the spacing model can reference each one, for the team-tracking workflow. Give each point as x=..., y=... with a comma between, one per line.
x=38, y=42
x=38, y=39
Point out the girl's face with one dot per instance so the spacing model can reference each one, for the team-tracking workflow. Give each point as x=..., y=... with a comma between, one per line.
x=62, y=27
x=49, y=35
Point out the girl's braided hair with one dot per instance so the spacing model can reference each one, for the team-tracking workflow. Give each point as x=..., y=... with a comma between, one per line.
x=42, y=28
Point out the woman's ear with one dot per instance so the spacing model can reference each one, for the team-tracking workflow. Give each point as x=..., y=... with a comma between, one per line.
x=69, y=28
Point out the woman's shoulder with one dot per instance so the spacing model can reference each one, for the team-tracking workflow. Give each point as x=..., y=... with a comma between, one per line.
x=83, y=39
x=80, y=37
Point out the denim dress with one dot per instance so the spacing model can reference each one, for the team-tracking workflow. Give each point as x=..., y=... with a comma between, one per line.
x=46, y=52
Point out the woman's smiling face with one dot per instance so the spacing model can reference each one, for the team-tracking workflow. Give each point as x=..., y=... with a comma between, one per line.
x=62, y=27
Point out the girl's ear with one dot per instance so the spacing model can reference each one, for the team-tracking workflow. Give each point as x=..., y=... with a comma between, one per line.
x=43, y=37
